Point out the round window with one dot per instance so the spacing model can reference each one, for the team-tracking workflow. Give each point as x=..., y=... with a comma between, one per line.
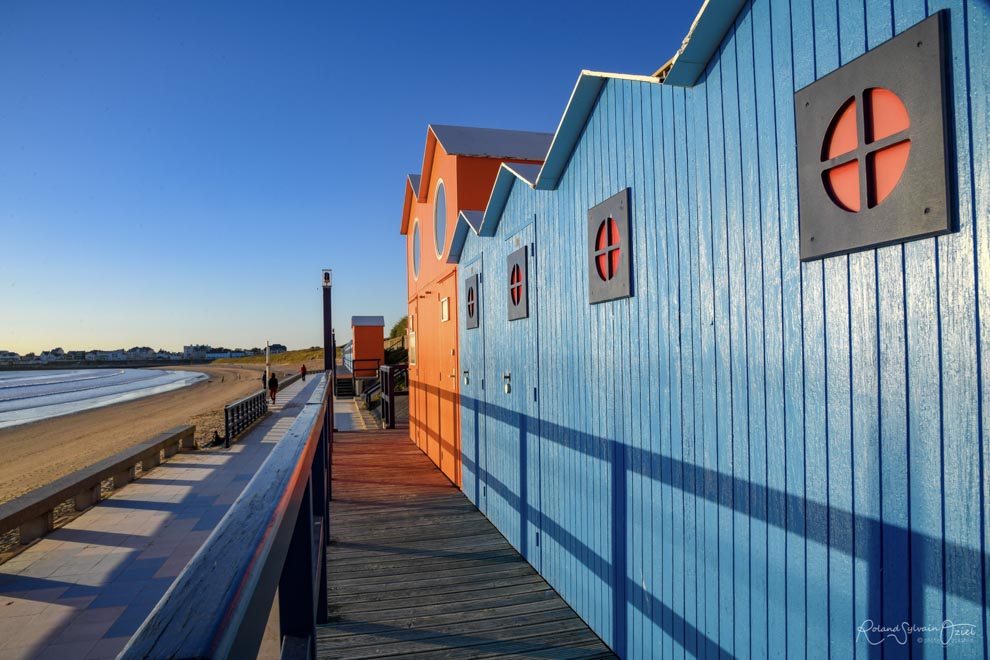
x=440, y=219
x=883, y=150
x=607, y=249
x=516, y=284
x=415, y=248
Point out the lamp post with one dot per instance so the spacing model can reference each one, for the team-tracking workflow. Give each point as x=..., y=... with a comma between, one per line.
x=328, y=348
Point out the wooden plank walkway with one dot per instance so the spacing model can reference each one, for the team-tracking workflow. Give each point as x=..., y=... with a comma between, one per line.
x=415, y=570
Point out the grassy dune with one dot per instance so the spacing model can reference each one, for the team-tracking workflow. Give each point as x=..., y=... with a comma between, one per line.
x=289, y=357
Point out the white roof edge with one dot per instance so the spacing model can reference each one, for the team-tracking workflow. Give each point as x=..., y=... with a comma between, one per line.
x=494, y=214
x=516, y=168
x=701, y=42
x=620, y=76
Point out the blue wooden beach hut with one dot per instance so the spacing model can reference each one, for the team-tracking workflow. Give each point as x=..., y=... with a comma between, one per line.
x=720, y=416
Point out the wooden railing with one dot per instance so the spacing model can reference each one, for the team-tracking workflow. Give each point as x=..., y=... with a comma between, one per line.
x=33, y=514
x=274, y=535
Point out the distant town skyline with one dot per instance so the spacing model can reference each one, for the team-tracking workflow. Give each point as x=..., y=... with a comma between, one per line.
x=134, y=353
x=187, y=169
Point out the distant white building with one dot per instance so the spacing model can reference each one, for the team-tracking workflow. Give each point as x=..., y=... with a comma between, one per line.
x=141, y=353
x=54, y=355
x=106, y=356
x=9, y=357
x=196, y=351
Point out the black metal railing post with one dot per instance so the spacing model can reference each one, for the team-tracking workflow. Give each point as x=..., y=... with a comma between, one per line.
x=388, y=374
x=319, y=480
x=296, y=592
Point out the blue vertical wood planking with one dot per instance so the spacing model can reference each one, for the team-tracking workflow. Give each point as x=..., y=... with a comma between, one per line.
x=750, y=456
x=978, y=41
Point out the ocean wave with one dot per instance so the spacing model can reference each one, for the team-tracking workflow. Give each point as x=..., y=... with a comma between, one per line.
x=33, y=397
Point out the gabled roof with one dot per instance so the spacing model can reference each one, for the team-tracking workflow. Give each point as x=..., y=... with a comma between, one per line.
x=579, y=107
x=367, y=320
x=466, y=221
x=412, y=192
x=492, y=142
x=481, y=143
x=484, y=223
x=710, y=26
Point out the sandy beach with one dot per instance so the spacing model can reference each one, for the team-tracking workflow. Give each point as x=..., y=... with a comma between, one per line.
x=35, y=454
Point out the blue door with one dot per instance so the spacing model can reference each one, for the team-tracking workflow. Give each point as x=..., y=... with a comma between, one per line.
x=472, y=365
x=513, y=433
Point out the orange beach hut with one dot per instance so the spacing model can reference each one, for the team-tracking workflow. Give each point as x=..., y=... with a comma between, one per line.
x=459, y=168
x=368, y=349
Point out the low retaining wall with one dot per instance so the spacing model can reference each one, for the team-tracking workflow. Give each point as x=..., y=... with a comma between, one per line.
x=33, y=514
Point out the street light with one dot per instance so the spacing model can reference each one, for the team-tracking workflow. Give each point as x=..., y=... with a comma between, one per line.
x=328, y=357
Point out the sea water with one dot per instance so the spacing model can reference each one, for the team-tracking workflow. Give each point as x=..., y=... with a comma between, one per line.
x=28, y=396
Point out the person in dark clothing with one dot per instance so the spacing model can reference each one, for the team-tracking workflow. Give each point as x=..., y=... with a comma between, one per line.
x=273, y=386
x=302, y=370
x=264, y=380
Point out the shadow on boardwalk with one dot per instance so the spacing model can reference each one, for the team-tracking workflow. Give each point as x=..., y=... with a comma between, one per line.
x=415, y=569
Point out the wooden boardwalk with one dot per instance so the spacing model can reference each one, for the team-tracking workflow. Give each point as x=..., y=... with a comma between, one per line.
x=416, y=571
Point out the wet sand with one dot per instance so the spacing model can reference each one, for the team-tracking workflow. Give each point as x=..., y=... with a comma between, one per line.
x=35, y=454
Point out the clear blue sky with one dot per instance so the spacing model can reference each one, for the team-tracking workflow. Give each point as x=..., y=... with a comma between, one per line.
x=176, y=172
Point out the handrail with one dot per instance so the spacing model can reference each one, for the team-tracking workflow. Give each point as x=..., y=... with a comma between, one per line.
x=369, y=393
x=346, y=353
x=387, y=375
x=33, y=512
x=274, y=535
x=395, y=342
x=239, y=415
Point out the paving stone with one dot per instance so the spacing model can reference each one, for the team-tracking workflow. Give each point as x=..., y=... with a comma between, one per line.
x=82, y=591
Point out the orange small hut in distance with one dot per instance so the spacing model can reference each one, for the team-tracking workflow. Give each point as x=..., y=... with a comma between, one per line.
x=368, y=352
x=459, y=169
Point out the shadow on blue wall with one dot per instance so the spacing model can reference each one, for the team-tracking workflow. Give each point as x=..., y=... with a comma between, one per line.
x=841, y=531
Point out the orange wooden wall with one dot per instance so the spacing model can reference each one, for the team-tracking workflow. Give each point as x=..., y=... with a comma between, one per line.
x=434, y=385
x=369, y=344
x=434, y=396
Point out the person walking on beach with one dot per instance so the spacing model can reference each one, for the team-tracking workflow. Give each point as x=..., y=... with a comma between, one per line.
x=302, y=370
x=273, y=386
x=264, y=380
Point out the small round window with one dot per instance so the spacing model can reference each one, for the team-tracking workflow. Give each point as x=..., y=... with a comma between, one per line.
x=440, y=219
x=415, y=248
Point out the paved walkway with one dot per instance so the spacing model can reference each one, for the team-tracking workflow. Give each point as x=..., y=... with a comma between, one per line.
x=84, y=589
x=415, y=570
x=347, y=416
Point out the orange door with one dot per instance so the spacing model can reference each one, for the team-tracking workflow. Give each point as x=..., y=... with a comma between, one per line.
x=417, y=407
x=450, y=450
